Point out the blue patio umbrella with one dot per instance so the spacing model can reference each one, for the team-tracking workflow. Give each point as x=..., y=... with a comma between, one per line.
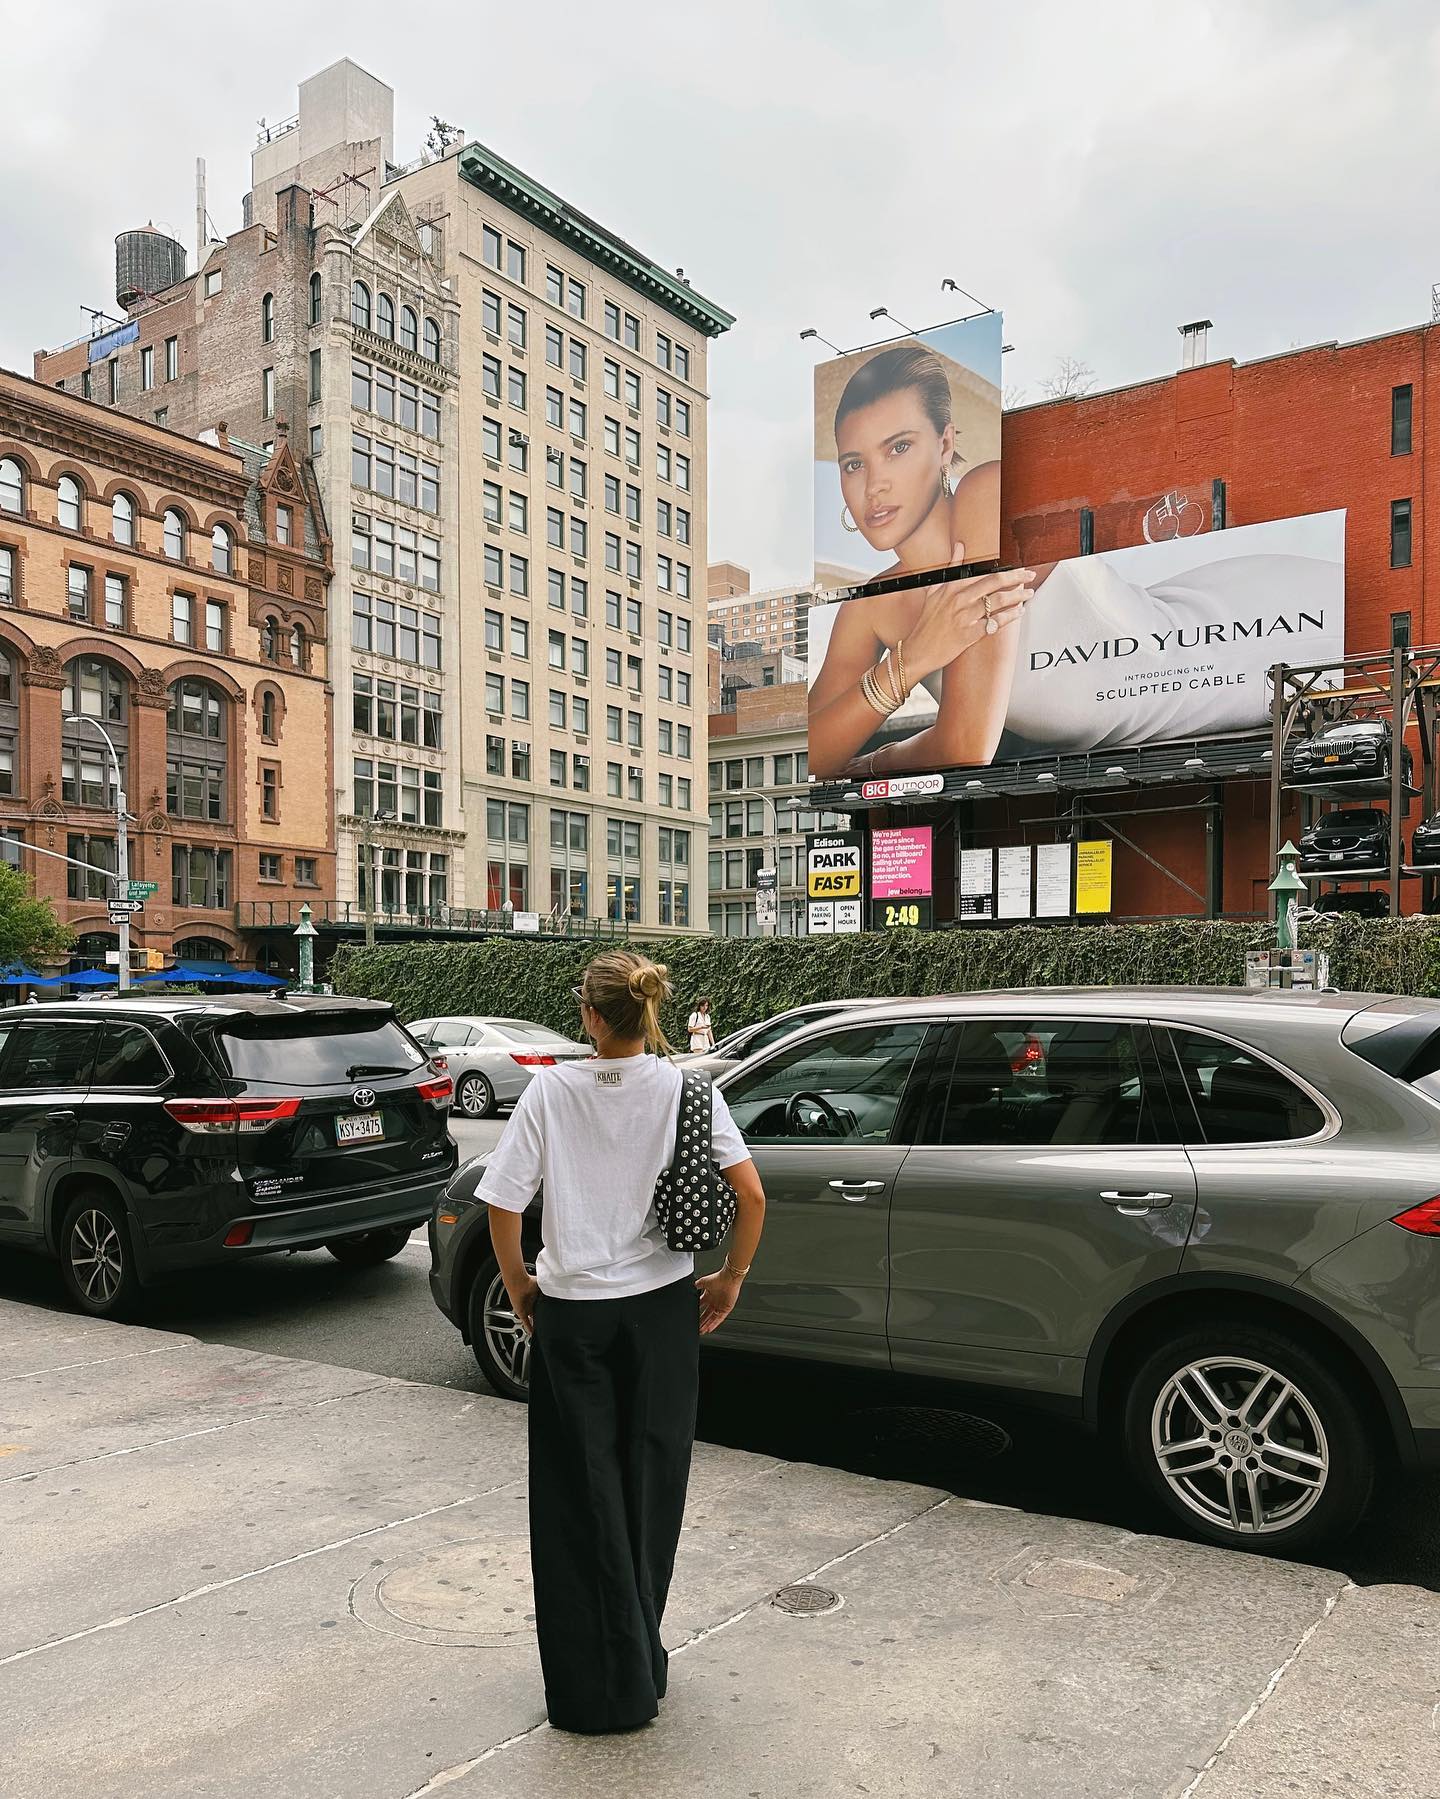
x=84, y=977
x=18, y=975
x=252, y=977
x=182, y=975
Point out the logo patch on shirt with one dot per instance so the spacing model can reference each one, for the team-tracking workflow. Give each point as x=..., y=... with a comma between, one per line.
x=608, y=1077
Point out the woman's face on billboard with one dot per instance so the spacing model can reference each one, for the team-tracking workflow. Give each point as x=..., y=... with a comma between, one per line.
x=890, y=457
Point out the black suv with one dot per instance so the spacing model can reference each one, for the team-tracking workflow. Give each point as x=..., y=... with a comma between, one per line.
x=1350, y=837
x=1357, y=749
x=141, y=1136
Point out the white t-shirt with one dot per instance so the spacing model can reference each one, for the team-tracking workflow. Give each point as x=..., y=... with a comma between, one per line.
x=701, y=1029
x=598, y=1135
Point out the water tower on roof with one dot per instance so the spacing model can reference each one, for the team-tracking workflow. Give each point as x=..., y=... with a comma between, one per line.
x=146, y=262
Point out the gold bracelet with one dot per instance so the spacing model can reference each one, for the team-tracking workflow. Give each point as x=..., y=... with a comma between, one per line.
x=875, y=695
x=737, y=1273
x=892, y=681
x=900, y=665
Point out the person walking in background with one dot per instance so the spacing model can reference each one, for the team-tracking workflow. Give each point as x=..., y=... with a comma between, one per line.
x=616, y=1317
x=701, y=1026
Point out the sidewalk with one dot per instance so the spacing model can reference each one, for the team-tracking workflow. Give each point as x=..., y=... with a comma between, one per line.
x=225, y=1574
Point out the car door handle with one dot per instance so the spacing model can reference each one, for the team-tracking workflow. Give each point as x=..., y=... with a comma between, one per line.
x=1135, y=1205
x=855, y=1191
x=64, y=1116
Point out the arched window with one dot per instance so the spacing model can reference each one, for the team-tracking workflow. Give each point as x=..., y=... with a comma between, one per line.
x=176, y=535
x=67, y=497
x=432, y=340
x=12, y=485
x=94, y=689
x=409, y=329
x=269, y=718
x=196, y=751
x=360, y=305
x=267, y=319
x=270, y=641
x=9, y=723
x=317, y=298
x=302, y=648
x=222, y=551
x=202, y=949
x=384, y=315
x=122, y=518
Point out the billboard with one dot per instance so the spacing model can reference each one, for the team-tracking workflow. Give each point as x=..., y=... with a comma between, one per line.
x=1166, y=639
x=902, y=878
x=907, y=454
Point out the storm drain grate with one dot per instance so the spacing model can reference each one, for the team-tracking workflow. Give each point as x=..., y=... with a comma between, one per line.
x=803, y=1600
x=933, y=1428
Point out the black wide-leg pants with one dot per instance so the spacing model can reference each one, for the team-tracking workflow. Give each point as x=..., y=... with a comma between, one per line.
x=613, y=1385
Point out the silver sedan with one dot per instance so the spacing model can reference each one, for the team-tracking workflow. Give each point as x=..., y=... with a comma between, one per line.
x=493, y=1060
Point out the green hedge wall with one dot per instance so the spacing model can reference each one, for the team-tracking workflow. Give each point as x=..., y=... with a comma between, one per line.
x=753, y=978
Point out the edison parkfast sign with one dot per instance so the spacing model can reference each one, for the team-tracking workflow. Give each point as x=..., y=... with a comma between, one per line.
x=834, y=882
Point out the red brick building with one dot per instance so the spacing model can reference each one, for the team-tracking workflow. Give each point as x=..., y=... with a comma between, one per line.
x=1330, y=426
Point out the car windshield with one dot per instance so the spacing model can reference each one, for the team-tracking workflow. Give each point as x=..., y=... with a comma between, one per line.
x=315, y=1051
x=1370, y=727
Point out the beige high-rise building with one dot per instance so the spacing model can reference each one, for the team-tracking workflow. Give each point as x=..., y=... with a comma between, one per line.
x=505, y=408
x=583, y=480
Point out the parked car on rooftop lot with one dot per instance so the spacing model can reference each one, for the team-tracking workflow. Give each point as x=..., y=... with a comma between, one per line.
x=1202, y=1221
x=143, y=1136
x=493, y=1060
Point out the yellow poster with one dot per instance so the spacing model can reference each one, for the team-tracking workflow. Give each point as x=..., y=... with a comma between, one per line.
x=1092, y=876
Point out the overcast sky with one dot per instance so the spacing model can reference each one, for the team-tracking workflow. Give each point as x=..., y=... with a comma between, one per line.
x=1102, y=172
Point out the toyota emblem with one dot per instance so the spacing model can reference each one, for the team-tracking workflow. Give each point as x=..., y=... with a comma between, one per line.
x=363, y=1097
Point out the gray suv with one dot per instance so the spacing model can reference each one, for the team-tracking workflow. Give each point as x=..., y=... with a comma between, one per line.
x=1203, y=1221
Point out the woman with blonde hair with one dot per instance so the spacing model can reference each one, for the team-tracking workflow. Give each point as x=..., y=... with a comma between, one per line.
x=616, y=1317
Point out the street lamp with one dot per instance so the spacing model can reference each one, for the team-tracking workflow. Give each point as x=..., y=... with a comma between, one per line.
x=1287, y=888
x=307, y=934
x=367, y=845
x=122, y=847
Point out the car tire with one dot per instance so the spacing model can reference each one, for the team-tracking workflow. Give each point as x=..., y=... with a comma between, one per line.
x=500, y=1347
x=97, y=1262
x=474, y=1096
x=371, y=1249
x=1222, y=1461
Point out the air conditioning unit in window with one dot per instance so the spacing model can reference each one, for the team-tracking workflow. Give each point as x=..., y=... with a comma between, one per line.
x=518, y=437
x=492, y=527
x=579, y=442
x=577, y=384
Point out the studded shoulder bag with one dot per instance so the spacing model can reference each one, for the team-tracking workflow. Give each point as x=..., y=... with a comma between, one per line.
x=693, y=1201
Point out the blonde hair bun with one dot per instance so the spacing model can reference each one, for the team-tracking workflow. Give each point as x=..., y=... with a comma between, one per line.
x=649, y=981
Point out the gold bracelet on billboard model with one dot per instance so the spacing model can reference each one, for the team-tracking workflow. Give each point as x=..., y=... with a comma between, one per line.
x=900, y=669
x=876, y=695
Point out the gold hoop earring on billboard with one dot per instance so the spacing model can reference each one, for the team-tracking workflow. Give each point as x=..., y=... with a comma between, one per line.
x=946, y=486
x=847, y=523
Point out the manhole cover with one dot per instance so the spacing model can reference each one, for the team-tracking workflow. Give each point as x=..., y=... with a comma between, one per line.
x=470, y=1594
x=804, y=1600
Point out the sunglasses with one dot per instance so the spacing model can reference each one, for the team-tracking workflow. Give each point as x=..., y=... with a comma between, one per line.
x=580, y=996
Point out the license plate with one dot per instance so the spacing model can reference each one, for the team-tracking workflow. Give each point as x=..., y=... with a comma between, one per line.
x=1332, y=758
x=359, y=1127
x=1337, y=855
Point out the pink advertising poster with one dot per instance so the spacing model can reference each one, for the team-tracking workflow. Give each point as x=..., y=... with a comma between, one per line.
x=900, y=863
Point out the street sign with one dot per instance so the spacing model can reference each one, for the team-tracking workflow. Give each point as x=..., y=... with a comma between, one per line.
x=833, y=882
x=125, y=908
x=140, y=890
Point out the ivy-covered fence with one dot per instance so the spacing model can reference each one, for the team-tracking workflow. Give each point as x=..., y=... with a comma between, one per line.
x=748, y=979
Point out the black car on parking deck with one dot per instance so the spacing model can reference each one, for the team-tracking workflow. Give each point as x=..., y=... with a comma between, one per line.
x=142, y=1136
x=1347, y=838
x=1356, y=749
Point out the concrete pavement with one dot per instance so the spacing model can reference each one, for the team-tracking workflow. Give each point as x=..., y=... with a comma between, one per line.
x=227, y=1573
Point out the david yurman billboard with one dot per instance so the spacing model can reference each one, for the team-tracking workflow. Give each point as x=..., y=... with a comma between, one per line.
x=1168, y=639
x=907, y=454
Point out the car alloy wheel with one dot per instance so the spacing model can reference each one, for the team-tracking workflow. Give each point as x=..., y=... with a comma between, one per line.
x=97, y=1258
x=1240, y=1445
x=474, y=1096
x=505, y=1338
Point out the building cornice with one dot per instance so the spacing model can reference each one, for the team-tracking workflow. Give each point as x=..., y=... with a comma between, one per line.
x=43, y=419
x=482, y=168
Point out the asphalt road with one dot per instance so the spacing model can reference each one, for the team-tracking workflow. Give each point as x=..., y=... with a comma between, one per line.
x=382, y=1320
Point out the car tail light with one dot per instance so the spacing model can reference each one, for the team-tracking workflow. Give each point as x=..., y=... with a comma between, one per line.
x=1423, y=1220
x=531, y=1060
x=439, y=1064
x=219, y=1117
x=1030, y=1056
x=436, y=1093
